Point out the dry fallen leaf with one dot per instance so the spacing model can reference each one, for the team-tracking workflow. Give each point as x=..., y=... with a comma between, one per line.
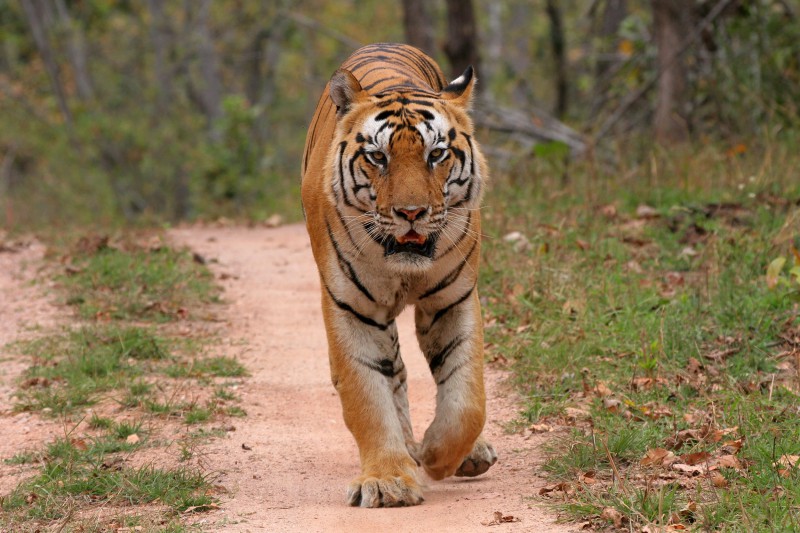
x=499, y=518
x=646, y=211
x=541, y=428
x=689, y=469
x=732, y=446
x=609, y=211
x=205, y=507
x=658, y=457
x=729, y=461
x=602, y=390
x=613, y=516
x=682, y=437
x=696, y=458
x=558, y=487
x=133, y=439
x=694, y=366
x=720, y=355
x=612, y=405
x=718, y=480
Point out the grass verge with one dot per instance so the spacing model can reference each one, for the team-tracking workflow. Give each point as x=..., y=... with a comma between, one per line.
x=130, y=361
x=651, y=320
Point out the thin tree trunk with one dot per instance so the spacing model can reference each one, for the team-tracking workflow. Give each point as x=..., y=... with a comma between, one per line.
x=559, y=57
x=35, y=13
x=209, y=91
x=461, y=47
x=418, y=25
x=669, y=124
x=76, y=50
x=518, y=53
x=494, y=44
x=160, y=38
x=614, y=13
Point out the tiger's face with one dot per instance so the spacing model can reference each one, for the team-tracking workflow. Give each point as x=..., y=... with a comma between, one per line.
x=407, y=165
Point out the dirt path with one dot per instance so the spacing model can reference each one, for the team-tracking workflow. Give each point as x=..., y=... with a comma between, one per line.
x=25, y=310
x=287, y=463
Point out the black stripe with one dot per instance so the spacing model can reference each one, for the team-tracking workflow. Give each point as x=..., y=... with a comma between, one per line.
x=441, y=312
x=348, y=269
x=438, y=360
x=459, y=366
x=346, y=228
x=376, y=83
x=365, y=319
x=342, y=146
x=471, y=154
x=452, y=276
x=384, y=366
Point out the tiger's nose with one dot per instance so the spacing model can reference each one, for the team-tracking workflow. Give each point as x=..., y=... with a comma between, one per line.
x=411, y=212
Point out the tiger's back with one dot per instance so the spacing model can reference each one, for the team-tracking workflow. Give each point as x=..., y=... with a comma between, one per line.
x=392, y=182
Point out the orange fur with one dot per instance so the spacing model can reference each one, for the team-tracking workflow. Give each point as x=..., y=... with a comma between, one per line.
x=390, y=160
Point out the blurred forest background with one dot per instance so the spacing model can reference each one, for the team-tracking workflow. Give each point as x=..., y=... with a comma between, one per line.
x=151, y=111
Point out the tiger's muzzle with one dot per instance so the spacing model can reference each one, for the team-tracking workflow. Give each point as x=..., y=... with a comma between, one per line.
x=411, y=243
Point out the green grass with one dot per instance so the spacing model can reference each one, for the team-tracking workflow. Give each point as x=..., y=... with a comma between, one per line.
x=22, y=458
x=654, y=323
x=128, y=295
x=73, y=370
x=134, y=282
x=210, y=367
x=197, y=415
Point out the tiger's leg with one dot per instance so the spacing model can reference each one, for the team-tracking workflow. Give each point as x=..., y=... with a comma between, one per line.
x=451, y=337
x=366, y=370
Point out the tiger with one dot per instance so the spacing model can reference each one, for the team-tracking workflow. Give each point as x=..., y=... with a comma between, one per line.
x=392, y=181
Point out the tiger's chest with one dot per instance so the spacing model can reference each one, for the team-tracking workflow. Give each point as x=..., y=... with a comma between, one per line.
x=381, y=293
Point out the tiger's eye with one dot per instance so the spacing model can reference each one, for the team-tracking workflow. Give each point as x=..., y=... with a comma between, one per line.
x=436, y=153
x=378, y=156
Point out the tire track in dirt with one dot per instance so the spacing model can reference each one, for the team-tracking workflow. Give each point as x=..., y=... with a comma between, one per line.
x=301, y=456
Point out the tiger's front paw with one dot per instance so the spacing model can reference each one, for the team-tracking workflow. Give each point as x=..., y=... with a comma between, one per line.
x=479, y=460
x=390, y=491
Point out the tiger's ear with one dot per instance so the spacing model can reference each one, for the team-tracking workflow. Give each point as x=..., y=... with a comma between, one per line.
x=460, y=89
x=345, y=91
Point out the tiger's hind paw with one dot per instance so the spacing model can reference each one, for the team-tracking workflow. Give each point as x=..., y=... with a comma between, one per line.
x=393, y=491
x=479, y=460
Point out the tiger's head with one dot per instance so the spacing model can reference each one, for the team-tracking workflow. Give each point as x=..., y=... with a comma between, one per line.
x=405, y=165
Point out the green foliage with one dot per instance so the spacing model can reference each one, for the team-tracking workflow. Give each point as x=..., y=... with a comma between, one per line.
x=159, y=284
x=640, y=318
x=213, y=366
x=73, y=369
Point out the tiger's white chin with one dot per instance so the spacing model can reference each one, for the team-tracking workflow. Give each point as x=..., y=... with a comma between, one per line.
x=409, y=263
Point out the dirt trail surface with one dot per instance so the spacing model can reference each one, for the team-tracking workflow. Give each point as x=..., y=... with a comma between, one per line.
x=287, y=464
x=25, y=310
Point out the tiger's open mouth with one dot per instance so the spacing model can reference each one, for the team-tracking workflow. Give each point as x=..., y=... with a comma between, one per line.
x=412, y=243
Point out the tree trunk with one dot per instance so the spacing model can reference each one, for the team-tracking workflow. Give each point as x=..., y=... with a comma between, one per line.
x=614, y=13
x=160, y=38
x=461, y=47
x=559, y=57
x=669, y=23
x=518, y=53
x=35, y=12
x=76, y=50
x=418, y=25
x=209, y=90
x=495, y=34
